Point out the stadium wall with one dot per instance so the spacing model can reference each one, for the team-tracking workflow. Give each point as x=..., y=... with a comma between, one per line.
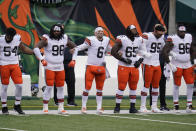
x=110, y=85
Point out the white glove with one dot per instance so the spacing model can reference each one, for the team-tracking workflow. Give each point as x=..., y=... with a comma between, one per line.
x=147, y=55
x=194, y=61
x=174, y=55
x=173, y=67
x=167, y=71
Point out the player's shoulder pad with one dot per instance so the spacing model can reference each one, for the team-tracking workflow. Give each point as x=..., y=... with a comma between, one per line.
x=188, y=35
x=88, y=40
x=121, y=37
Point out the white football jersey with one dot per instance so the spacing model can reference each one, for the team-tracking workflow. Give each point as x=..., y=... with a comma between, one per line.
x=182, y=50
x=54, y=53
x=96, y=50
x=129, y=49
x=9, y=51
x=153, y=46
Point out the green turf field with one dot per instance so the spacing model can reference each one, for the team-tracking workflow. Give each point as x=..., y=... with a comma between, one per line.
x=92, y=122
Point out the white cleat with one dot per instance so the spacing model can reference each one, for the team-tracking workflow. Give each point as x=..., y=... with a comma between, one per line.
x=83, y=110
x=45, y=111
x=143, y=109
x=63, y=112
x=189, y=109
x=156, y=110
x=100, y=112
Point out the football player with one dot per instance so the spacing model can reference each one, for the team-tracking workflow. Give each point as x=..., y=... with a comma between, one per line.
x=54, y=44
x=97, y=46
x=154, y=42
x=178, y=46
x=126, y=50
x=9, y=46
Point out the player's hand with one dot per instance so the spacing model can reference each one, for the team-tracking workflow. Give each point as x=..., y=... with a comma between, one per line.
x=174, y=55
x=44, y=62
x=72, y=63
x=148, y=55
x=126, y=60
x=137, y=63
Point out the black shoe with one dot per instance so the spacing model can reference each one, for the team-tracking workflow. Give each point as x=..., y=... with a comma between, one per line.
x=72, y=104
x=176, y=107
x=117, y=108
x=5, y=110
x=18, y=109
x=164, y=108
x=133, y=110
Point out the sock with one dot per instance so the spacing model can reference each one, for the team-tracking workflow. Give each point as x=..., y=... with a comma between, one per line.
x=154, y=93
x=119, y=96
x=175, y=94
x=84, y=98
x=18, y=94
x=132, y=96
x=99, y=99
x=47, y=94
x=144, y=94
x=60, y=94
x=189, y=94
x=4, y=95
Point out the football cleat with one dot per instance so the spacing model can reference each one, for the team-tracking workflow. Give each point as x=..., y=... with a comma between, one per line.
x=45, y=111
x=133, y=110
x=176, y=108
x=117, y=108
x=156, y=110
x=189, y=109
x=63, y=112
x=143, y=109
x=18, y=109
x=83, y=110
x=5, y=110
x=100, y=112
x=164, y=108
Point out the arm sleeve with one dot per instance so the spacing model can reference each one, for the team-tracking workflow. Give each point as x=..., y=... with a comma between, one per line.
x=79, y=48
x=38, y=53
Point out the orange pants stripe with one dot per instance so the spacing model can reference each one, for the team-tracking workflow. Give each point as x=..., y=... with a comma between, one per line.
x=55, y=76
x=12, y=71
x=152, y=75
x=97, y=72
x=127, y=74
x=188, y=75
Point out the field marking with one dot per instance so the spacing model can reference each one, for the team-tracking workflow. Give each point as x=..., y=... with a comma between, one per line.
x=11, y=129
x=133, y=118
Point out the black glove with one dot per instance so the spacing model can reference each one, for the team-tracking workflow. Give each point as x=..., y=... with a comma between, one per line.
x=126, y=60
x=137, y=63
x=195, y=70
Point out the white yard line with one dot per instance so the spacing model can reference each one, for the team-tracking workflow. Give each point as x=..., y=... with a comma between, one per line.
x=161, y=121
x=9, y=129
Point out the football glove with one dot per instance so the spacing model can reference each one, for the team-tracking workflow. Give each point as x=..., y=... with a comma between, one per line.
x=44, y=62
x=126, y=60
x=72, y=63
x=137, y=63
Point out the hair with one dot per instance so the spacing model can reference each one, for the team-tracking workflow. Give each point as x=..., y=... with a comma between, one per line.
x=159, y=27
x=10, y=32
x=51, y=34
